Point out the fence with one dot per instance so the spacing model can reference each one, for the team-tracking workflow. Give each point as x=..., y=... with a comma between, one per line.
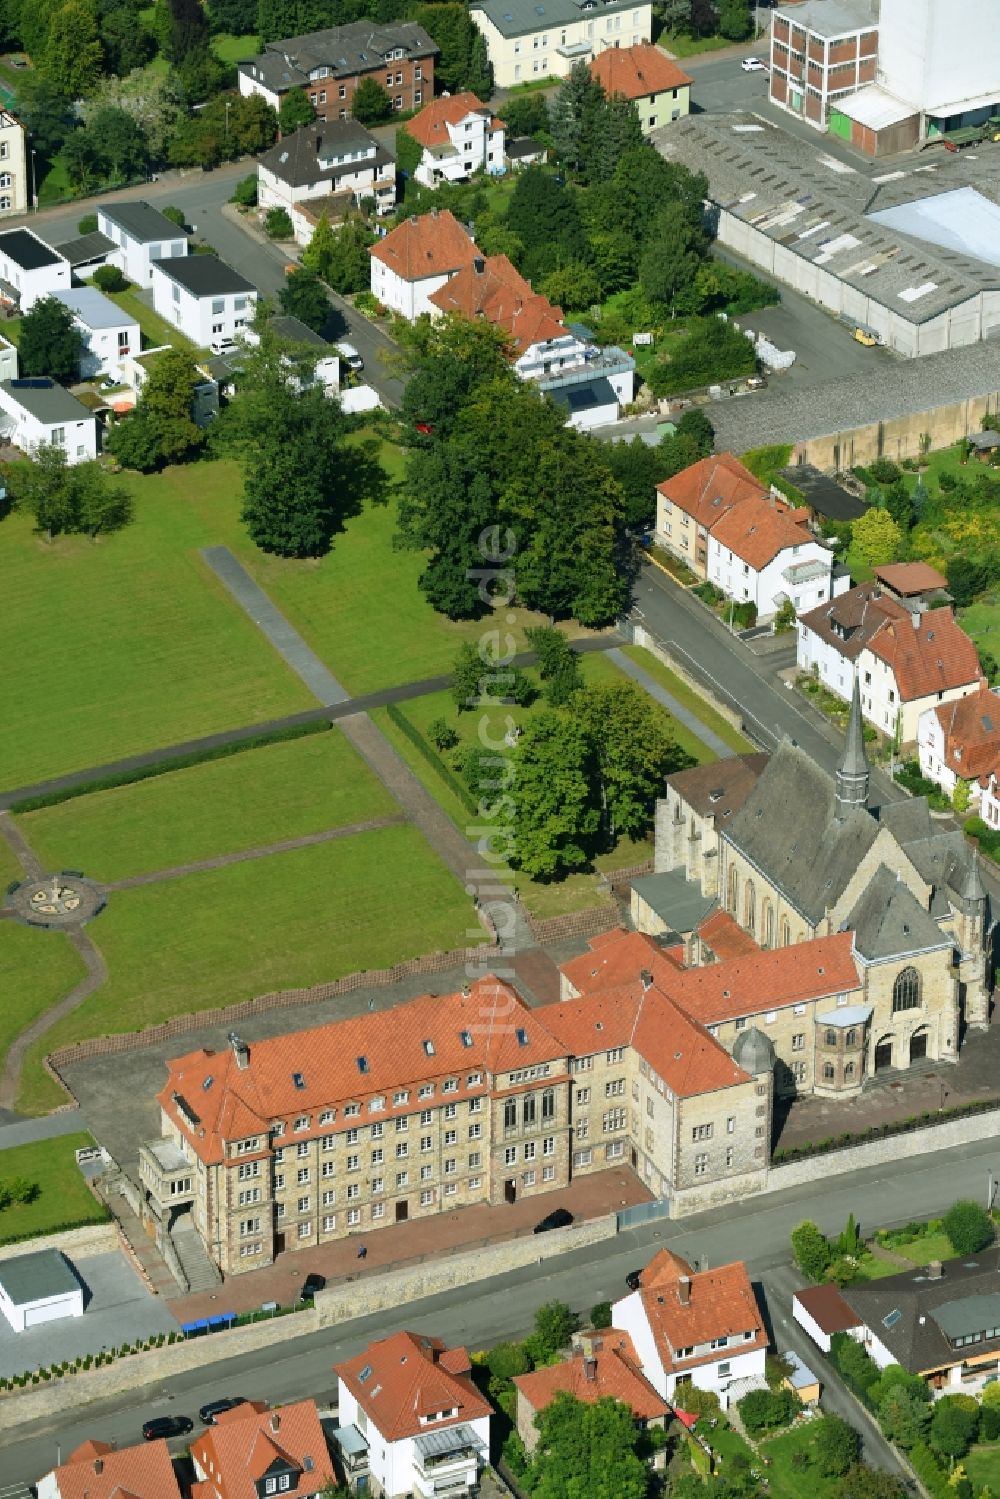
x=642, y=1212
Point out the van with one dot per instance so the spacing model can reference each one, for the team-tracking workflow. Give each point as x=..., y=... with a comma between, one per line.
x=350, y=356
x=867, y=337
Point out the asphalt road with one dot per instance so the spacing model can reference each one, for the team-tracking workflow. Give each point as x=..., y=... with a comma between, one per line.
x=479, y=1315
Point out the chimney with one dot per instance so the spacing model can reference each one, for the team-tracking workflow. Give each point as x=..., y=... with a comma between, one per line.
x=935, y=1270
x=98, y=1466
x=684, y=1290
x=434, y=213
x=915, y=619
x=647, y=979
x=275, y=1421
x=241, y=1051
x=590, y=1370
x=478, y=265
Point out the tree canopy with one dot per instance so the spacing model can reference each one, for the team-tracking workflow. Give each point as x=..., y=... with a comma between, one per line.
x=50, y=342
x=82, y=498
x=587, y=1452
x=161, y=429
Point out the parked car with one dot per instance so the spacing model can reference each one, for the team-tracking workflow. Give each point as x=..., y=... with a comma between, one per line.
x=311, y=1285
x=633, y=1279
x=215, y=1408
x=866, y=337
x=166, y=1426
x=753, y=65
x=350, y=356
x=558, y=1218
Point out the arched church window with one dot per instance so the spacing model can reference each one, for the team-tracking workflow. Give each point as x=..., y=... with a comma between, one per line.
x=734, y=888
x=767, y=936
x=906, y=990
x=786, y=932
x=750, y=907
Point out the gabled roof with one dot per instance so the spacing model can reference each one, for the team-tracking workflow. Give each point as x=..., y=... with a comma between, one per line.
x=636, y=71
x=971, y=727
x=430, y=125
x=435, y=244
x=296, y=158
x=96, y=1470
x=827, y=1308
x=909, y=578
x=609, y=1370
x=407, y=1377
x=687, y=1309
x=706, y=489
x=849, y=621
x=768, y=980
x=347, y=51
x=758, y=528
x=245, y=1443
x=926, y=653
x=726, y=939
x=888, y=920
x=720, y=788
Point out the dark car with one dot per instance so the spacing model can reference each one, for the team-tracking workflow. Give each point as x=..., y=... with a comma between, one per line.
x=633, y=1279
x=559, y=1218
x=311, y=1285
x=167, y=1426
x=215, y=1408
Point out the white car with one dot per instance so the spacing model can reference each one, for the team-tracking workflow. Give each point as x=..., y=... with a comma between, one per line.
x=753, y=65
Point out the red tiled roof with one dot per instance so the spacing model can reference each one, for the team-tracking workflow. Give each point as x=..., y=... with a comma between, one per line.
x=432, y=245
x=848, y=622
x=768, y=980
x=971, y=726
x=491, y=288
x=412, y=1376
x=727, y=940
x=611, y=1370
x=96, y=1470
x=757, y=529
x=430, y=126
x=718, y=1304
x=933, y=655
x=244, y=1443
x=635, y=71
x=615, y=957
x=706, y=489
x=465, y=1033
x=827, y=1308
x=907, y=578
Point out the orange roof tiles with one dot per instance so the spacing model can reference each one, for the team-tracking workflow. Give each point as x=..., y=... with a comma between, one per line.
x=908, y=578
x=96, y=1470
x=932, y=655
x=757, y=529
x=491, y=288
x=636, y=71
x=706, y=489
x=712, y=1304
x=615, y=957
x=610, y=1370
x=767, y=980
x=971, y=726
x=246, y=1442
x=412, y=1376
x=435, y=244
x=430, y=126
x=727, y=940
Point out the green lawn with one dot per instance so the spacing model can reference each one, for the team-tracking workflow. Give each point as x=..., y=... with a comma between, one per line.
x=280, y=923
x=55, y=186
x=150, y=648
x=63, y=1195
x=37, y=969
x=682, y=45
x=262, y=796
x=982, y=1468
x=155, y=330
x=870, y=1268
x=981, y=620
x=695, y=703
x=231, y=49
x=788, y=1482
x=10, y=869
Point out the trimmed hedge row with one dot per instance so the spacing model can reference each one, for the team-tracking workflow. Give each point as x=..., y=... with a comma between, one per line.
x=850, y=1138
x=55, y=1228
x=176, y=762
x=432, y=757
x=930, y=1472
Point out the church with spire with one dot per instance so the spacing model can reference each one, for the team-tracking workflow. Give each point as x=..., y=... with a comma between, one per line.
x=767, y=852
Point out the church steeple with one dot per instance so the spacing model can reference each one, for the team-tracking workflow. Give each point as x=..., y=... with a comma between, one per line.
x=853, y=772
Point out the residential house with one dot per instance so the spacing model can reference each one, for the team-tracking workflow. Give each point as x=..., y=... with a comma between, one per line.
x=100, y=1470
x=601, y=1366
x=329, y=65
x=524, y=151
x=417, y=258
x=335, y=156
x=29, y=268
x=989, y=799
x=695, y=1327
x=459, y=135
x=86, y=253
x=960, y=741
x=690, y=503
x=822, y=51
x=321, y=360
x=38, y=412
x=143, y=236
x=941, y=1321
x=527, y=42
x=412, y=1404
x=648, y=78
x=204, y=298
x=8, y=359
x=13, y=166
x=109, y=334
x=251, y=1452
x=135, y=371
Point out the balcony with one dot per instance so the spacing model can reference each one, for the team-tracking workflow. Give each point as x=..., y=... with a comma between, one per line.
x=353, y=1450
x=166, y=1174
x=447, y=1462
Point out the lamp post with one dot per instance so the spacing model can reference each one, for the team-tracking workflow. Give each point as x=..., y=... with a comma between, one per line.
x=34, y=182
x=228, y=107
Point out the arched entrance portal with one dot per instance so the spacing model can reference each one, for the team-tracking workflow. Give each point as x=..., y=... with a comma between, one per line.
x=883, y=1054
x=918, y=1045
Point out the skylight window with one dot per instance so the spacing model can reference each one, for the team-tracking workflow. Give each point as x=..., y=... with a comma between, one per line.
x=208, y=1083
x=429, y=1048
x=362, y=1064
x=522, y=1036
x=892, y=1318
x=365, y=1374
x=298, y=1080
x=465, y=1037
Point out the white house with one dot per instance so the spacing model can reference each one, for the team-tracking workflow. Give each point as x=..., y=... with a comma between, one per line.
x=109, y=334
x=100, y=1470
x=527, y=41
x=13, y=165
x=762, y=550
x=30, y=269
x=960, y=741
x=416, y=259
x=37, y=1288
x=459, y=135
x=143, y=235
x=331, y=156
x=205, y=298
x=694, y=1327
x=411, y=1418
x=39, y=412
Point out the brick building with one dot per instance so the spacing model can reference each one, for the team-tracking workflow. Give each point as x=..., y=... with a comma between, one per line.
x=329, y=65
x=822, y=51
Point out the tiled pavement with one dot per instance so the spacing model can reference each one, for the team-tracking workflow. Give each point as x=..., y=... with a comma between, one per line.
x=427, y=1238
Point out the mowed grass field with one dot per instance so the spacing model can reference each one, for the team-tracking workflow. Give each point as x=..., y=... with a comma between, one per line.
x=63, y=1195
x=37, y=970
x=282, y=922
x=121, y=646
x=224, y=806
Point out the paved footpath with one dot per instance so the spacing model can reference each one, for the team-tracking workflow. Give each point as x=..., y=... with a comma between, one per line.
x=96, y=975
x=28, y=1131
x=683, y=715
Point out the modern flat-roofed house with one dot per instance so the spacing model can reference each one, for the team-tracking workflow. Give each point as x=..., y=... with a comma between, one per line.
x=38, y=412
x=143, y=235
x=459, y=135
x=329, y=65
x=13, y=165
x=203, y=297
x=659, y=89
x=109, y=335
x=527, y=41
x=331, y=156
x=29, y=268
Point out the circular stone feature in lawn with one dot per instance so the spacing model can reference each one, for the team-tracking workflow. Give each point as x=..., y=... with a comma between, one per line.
x=62, y=900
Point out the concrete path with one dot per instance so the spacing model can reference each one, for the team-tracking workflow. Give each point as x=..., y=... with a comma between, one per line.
x=97, y=973
x=271, y=622
x=28, y=1131
x=23, y=853
x=683, y=715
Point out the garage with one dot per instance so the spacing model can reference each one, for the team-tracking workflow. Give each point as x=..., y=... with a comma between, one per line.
x=38, y=1288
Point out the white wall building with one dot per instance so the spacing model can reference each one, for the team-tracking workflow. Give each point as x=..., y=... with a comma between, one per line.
x=205, y=298
x=13, y=165
x=143, y=235
x=30, y=269
x=416, y=259
x=109, y=335
x=460, y=135
x=38, y=1288
x=527, y=42
x=38, y=412
x=944, y=59
x=758, y=552
x=332, y=156
x=960, y=741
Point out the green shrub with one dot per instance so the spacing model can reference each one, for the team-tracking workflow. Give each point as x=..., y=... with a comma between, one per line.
x=245, y=191
x=766, y=1410
x=930, y=1472
x=968, y=1226
x=277, y=224
x=88, y=224
x=884, y=471
x=600, y=1315
x=109, y=278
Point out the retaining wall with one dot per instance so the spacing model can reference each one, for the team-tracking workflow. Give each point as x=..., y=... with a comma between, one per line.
x=641, y=636
x=75, y=1243
x=855, y=1157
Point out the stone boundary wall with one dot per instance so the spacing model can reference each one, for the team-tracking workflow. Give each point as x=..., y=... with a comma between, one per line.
x=641, y=636
x=75, y=1243
x=627, y=873
x=984, y=1126
x=576, y=924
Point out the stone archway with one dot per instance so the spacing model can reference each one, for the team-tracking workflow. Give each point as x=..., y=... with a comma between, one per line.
x=883, y=1053
x=918, y=1045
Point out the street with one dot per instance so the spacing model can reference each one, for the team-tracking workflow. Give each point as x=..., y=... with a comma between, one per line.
x=480, y=1315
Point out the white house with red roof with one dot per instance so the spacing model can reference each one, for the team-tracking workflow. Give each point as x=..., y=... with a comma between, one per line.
x=960, y=741
x=410, y=1403
x=648, y=78
x=697, y=1327
x=602, y=1365
x=99, y=1470
x=251, y=1452
x=762, y=551
x=459, y=135
x=416, y=259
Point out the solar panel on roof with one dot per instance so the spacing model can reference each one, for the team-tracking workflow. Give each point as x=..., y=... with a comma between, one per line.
x=892, y=1318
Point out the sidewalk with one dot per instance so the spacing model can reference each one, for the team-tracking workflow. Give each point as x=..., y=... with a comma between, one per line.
x=677, y=710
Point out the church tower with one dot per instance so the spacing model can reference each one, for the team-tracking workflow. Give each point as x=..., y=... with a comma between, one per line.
x=853, y=772
x=973, y=935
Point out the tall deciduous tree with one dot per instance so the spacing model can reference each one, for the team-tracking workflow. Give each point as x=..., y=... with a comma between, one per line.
x=673, y=255
x=876, y=537
x=161, y=429
x=370, y=104
x=73, y=54
x=545, y=218
x=634, y=752
x=151, y=99
x=340, y=257
x=555, y=821
x=295, y=111
x=119, y=143
x=83, y=499
x=50, y=342
x=837, y=1447
x=587, y=1450
x=304, y=296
